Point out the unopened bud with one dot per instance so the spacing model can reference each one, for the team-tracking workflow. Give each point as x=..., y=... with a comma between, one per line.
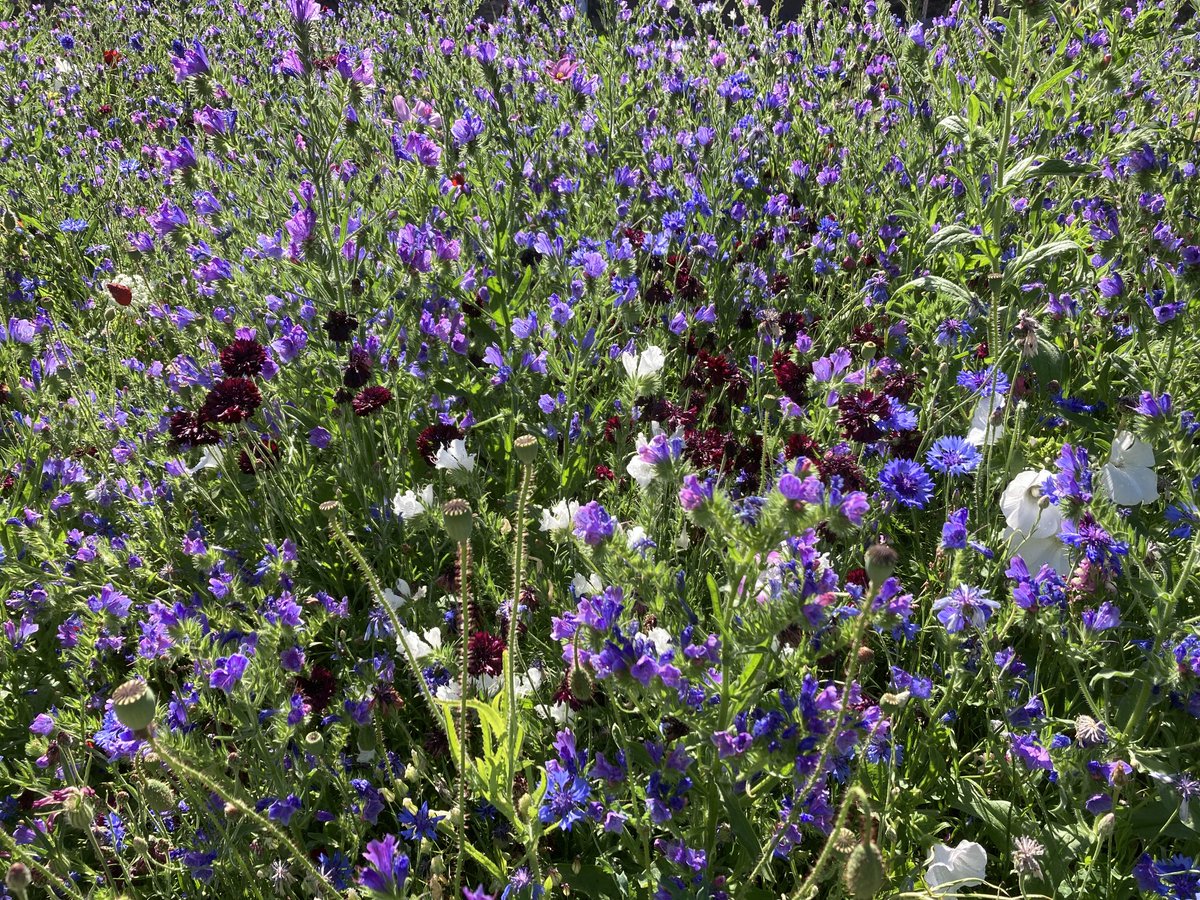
x=1105, y=825
x=135, y=705
x=881, y=562
x=526, y=447
x=314, y=742
x=18, y=878
x=865, y=875
x=458, y=519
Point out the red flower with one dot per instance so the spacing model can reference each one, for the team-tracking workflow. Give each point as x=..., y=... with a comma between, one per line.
x=358, y=370
x=339, y=326
x=112, y=57
x=860, y=415
x=370, y=400
x=243, y=358
x=231, y=401
x=485, y=653
x=188, y=430
x=791, y=377
x=122, y=294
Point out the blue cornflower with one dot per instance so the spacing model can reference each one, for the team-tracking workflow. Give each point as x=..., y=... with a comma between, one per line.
x=518, y=881
x=952, y=333
x=566, y=796
x=906, y=482
x=68, y=226
x=418, y=824
x=984, y=382
x=952, y=455
x=965, y=605
x=336, y=868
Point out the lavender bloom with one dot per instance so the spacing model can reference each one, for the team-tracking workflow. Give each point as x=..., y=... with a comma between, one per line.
x=387, y=868
x=189, y=62
x=965, y=605
x=593, y=524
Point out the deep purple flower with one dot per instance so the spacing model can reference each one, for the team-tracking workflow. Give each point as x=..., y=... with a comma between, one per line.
x=228, y=672
x=906, y=482
x=387, y=868
x=965, y=605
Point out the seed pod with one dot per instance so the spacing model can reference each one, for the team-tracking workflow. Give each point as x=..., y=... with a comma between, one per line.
x=881, y=562
x=18, y=878
x=158, y=795
x=526, y=448
x=865, y=874
x=458, y=519
x=135, y=705
x=314, y=742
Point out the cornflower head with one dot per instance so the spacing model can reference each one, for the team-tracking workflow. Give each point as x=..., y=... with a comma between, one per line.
x=907, y=483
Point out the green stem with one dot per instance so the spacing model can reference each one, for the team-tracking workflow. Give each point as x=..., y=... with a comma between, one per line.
x=510, y=658
x=464, y=613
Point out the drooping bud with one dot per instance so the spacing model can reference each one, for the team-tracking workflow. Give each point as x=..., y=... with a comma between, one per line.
x=458, y=519
x=881, y=562
x=865, y=875
x=580, y=683
x=135, y=705
x=526, y=448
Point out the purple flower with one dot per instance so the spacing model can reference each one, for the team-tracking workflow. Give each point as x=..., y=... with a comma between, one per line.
x=42, y=724
x=190, y=62
x=466, y=129
x=594, y=265
x=1154, y=407
x=304, y=11
x=694, y=493
x=965, y=605
x=387, y=868
x=954, y=532
x=281, y=811
x=228, y=672
x=593, y=524
x=319, y=438
x=1096, y=543
x=1106, y=617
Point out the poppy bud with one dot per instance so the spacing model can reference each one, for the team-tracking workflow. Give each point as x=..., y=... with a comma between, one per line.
x=18, y=878
x=457, y=519
x=881, y=562
x=135, y=705
x=526, y=447
x=865, y=875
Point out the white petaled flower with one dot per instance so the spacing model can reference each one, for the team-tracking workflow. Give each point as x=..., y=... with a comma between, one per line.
x=421, y=645
x=409, y=505
x=1128, y=477
x=645, y=364
x=1026, y=511
x=455, y=457
x=490, y=685
x=402, y=594
x=652, y=455
x=587, y=586
x=1038, y=552
x=559, y=516
x=210, y=458
x=949, y=869
x=984, y=431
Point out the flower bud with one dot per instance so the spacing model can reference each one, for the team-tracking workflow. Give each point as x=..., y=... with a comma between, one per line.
x=865, y=875
x=18, y=878
x=881, y=562
x=158, y=795
x=1105, y=825
x=458, y=519
x=526, y=448
x=580, y=684
x=135, y=705
x=77, y=809
x=314, y=742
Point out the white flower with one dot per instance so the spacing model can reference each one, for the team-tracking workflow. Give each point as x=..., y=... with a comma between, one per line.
x=1025, y=509
x=421, y=645
x=560, y=516
x=210, y=458
x=138, y=289
x=402, y=594
x=983, y=430
x=661, y=639
x=641, y=471
x=455, y=458
x=490, y=685
x=1128, y=477
x=958, y=867
x=587, y=586
x=1038, y=552
x=644, y=364
x=410, y=504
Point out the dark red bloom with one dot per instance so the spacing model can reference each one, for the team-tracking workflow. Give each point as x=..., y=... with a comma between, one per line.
x=564, y=695
x=112, y=57
x=243, y=358
x=687, y=285
x=485, y=653
x=370, y=400
x=857, y=576
x=434, y=438
x=861, y=415
x=358, y=370
x=901, y=385
x=317, y=689
x=265, y=455
x=121, y=293
x=844, y=466
x=657, y=293
x=713, y=371
x=801, y=445
x=705, y=449
x=604, y=473
x=791, y=377
x=188, y=430
x=636, y=237
x=231, y=401
x=865, y=335
x=339, y=325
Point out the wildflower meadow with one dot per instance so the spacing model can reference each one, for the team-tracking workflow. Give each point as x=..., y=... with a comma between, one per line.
x=650, y=449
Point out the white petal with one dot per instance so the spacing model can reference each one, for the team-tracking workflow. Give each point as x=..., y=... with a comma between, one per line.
x=1130, y=452
x=1129, y=486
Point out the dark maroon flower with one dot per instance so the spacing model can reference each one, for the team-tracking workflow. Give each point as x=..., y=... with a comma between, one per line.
x=791, y=377
x=340, y=325
x=905, y=444
x=358, y=370
x=564, y=695
x=861, y=414
x=687, y=285
x=435, y=437
x=265, y=455
x=865, y=335
x=188, y=430
x=342, y=396
x=485, y=653
x=636, y=236
x=844, y=466
x=317, y=688
x=901, y=385
x=243, y=358
x=371, y=400
x=801, y=445
x=713, y=371
x=231, y=401
x=657, y=293
x=604, y=473
x=121, y=293
x=779, y=284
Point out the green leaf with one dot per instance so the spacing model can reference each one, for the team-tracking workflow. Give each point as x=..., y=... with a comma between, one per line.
x=950, y=236
x=1047, y=83
x=937, y=285
x=742, y=829
x=1035, y=256
x=594, y=882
